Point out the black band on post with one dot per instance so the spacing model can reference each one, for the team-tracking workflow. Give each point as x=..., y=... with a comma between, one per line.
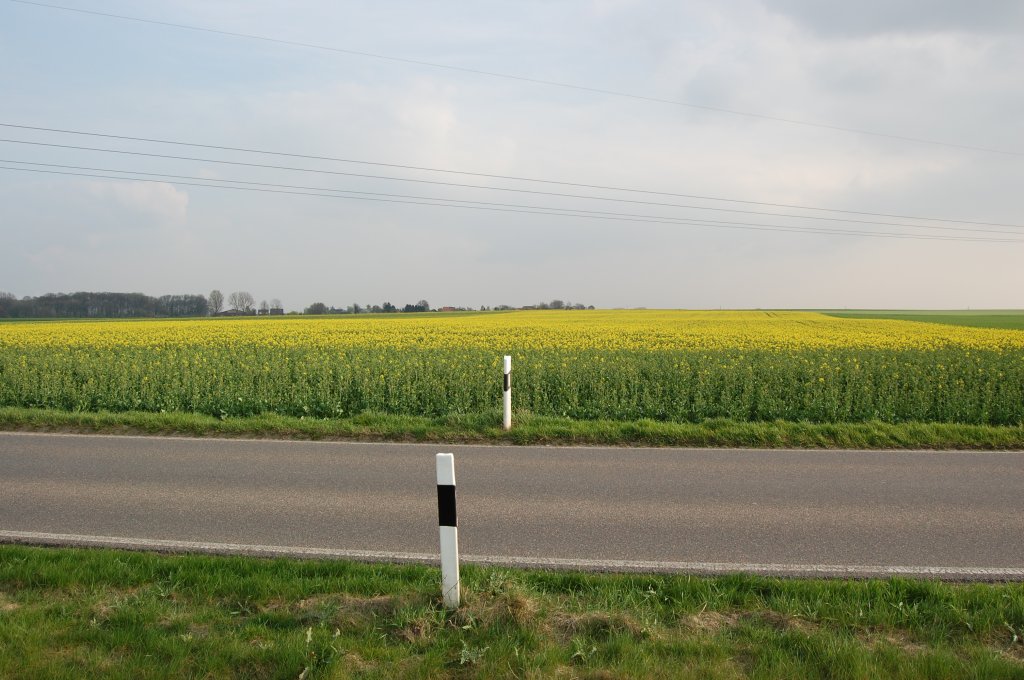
x=446, y=516
x=508, y=382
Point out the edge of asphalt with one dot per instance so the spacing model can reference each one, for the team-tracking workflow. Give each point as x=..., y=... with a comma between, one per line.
x=807, y=571
x=489, y=445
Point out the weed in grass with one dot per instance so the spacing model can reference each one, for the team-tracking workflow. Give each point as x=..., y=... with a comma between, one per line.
x=471, y=655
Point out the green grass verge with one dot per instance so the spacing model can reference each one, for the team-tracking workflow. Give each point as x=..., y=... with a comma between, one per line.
x=1011, y=319
x=74, y=613
x=528, y=429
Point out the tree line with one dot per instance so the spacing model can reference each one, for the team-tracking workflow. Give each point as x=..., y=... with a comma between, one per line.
x=84, y=305
x=105, y=305
x=355, y=308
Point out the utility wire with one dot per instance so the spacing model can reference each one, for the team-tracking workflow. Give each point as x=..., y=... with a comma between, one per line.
x=537, y=81
x=468, y=186
x=494, y=176
x=443, y=203
x=576, y=211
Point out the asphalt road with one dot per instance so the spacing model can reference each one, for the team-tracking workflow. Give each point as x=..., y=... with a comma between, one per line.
x=949, y=514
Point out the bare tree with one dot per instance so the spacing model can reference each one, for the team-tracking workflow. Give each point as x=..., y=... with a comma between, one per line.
x=264, y=307
x=275, y=303
x=241, y=301
x=216, y=302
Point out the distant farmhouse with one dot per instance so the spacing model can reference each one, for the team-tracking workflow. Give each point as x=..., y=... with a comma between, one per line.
x=273, y=311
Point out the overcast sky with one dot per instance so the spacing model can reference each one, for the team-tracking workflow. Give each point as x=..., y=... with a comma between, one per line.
x=942, y=70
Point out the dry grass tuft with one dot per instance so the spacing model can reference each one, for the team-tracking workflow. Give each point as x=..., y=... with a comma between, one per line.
x=515, y=607
x=599, y=625
x=199, y=631
x=503, y=603
x=1014, y=653
x=109, y=601
x=418, y=630
x=6, y=604
x=892, y=638
x=344, y=608
x=780, y=622
x=352, y=661
x=380, y=606
x=602, y=674
x=710, y=622
x=574, y=673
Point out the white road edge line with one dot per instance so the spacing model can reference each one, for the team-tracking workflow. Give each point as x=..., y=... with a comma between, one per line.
x=705, y=568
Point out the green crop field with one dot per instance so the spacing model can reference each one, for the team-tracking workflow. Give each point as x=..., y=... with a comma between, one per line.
x=1011, y=319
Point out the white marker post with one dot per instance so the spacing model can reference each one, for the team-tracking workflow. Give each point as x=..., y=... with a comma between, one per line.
x=448, y=522
x=506, y=421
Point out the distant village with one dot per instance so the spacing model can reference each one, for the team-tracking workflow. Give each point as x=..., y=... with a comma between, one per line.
x=424, y=306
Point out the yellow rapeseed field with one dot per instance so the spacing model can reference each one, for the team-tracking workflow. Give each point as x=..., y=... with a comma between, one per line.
x=626, y=365
x=643, y=330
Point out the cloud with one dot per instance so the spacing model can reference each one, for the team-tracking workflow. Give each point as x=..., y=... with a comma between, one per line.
x=161, y=200
x=869, y=17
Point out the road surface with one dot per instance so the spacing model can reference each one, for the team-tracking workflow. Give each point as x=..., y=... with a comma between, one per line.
x=945, y=514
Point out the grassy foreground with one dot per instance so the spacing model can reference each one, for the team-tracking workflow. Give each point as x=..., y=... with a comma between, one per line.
x=528, y=429
x=67, y=613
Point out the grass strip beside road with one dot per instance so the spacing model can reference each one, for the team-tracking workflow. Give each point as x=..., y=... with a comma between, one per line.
x=527, y=430
x=103, y=613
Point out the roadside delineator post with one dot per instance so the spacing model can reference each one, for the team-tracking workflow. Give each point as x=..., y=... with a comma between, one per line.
x=506, y=421
x=448, y=524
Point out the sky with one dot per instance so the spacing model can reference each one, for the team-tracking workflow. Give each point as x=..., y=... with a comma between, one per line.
x=943, y=72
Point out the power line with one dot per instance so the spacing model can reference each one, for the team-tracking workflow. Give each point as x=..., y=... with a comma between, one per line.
x=443, y=203
x=448, y=203
x=576, y=211
x=495, y=176
x=537, y=81
x=469, y=186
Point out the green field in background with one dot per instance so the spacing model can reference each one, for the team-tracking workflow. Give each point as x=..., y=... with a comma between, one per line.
x=982, y=318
